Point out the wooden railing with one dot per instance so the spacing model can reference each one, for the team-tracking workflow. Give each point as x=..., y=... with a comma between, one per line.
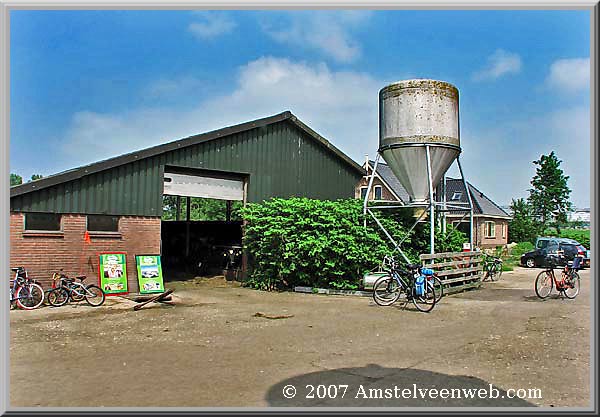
x=458, y=271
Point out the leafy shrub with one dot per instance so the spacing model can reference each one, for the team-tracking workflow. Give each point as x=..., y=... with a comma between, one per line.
x=304, y=242
x=521, y=248
x=582, y=236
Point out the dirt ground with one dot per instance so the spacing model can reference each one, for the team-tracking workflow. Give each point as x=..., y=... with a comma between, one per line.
x=210, y=349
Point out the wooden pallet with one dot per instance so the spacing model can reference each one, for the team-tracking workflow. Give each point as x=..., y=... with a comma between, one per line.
x=458, y=271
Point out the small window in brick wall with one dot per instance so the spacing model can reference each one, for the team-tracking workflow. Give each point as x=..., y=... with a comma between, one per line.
x=363, y=193
x=102, y=223
x=490, y=229
x=47, y=222
x=378, y=192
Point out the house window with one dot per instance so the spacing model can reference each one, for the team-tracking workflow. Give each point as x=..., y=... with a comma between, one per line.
x=47, y=222
x=504, y=227
x=363, y=192
x=377, y=192
x=456, y=196
x=490, y=229
x=102, y=223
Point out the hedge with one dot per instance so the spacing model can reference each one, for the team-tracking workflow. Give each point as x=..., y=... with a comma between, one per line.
x=304, y=242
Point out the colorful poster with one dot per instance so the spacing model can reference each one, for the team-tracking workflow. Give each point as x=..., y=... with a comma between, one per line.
x=149, y=270
x=113, y=273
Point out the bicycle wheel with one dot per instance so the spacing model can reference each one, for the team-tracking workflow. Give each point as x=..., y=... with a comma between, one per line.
x=543, y=284
x=57, y=297
x=77, y=292
x=426, y=301
x=499, y=273
x=437, y=286
x=94, y=295
x=492, y=273
x=30, y=296
x=572, y=285
x=386, y=291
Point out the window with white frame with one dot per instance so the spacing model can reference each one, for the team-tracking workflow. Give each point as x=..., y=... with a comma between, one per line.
x=456, y=196
x=490, y=229
x=363, y=192
x=377, y=190
x=504, y=227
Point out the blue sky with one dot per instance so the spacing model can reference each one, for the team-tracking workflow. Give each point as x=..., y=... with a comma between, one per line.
x=88, y=85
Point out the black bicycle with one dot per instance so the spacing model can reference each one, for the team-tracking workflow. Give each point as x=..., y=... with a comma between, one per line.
x=410, y=281
x=492, y=268
x=66, y=289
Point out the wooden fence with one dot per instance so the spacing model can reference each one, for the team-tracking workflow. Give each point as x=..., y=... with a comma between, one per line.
x=458, y=271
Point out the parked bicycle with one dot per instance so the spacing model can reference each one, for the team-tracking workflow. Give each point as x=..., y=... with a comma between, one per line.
x=492, y=268
x=411, y=281
x=73, y=289
x=546, y=280
x=24, y=292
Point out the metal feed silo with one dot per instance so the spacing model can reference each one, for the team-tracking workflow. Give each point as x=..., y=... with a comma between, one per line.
x=419, y=138
x=417, y=117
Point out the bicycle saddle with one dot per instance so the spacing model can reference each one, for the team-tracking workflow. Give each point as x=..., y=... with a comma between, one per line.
x=81, y=278
x=17, y=269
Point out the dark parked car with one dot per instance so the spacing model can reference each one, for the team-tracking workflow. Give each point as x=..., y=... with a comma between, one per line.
x=545, y=247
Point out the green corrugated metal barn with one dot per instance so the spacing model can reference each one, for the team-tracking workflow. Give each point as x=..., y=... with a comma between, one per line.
x=120, y=198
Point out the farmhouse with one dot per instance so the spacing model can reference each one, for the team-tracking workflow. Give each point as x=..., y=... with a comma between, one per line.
x=63, y=221
x=490, y=222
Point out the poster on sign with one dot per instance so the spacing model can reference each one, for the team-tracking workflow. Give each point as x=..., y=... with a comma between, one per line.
x=149, y=271
x=113, y=273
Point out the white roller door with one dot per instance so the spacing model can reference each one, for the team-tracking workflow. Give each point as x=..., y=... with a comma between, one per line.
x=204, y=187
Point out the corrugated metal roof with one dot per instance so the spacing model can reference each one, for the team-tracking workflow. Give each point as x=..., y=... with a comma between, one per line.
x=110, y=163
x=281, y=155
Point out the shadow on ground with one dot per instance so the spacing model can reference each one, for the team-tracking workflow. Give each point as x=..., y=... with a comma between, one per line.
x=497, y=294
x=370, y=385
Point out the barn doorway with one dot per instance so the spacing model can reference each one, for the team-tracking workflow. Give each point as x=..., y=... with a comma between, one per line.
x=201, y=228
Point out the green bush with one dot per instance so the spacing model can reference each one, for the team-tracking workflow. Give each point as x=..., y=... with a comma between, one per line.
x=521, y=248
x=582, y=236
x=304, y=242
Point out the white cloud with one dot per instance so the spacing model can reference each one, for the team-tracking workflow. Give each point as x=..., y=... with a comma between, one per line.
x=172, y=87
x=342, y=106
x=498, y=160
x=211, y=25
x=326, y=31
x=498, y=64
x=569, y=75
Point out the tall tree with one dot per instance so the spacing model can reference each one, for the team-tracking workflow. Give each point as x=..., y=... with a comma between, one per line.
x=522, y=227
x=549, y=195
x=15, y=179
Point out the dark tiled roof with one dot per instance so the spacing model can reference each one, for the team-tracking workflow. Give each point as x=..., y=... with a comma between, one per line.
x=481, y=203
x=386, y=174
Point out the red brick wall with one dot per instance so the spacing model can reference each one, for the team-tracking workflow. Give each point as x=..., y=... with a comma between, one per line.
x=44, y=254
x=479, y=238
x=385, y=193
x=492, y=242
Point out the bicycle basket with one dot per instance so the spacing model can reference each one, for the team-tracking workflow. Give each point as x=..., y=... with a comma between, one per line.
x=427, y=271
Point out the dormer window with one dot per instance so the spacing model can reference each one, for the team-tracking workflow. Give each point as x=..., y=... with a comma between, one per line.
x=456, y=196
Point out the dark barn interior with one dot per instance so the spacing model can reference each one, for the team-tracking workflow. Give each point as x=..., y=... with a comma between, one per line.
x=200, y=248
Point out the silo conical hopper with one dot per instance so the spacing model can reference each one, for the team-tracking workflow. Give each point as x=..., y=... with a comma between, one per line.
x=414, y=114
